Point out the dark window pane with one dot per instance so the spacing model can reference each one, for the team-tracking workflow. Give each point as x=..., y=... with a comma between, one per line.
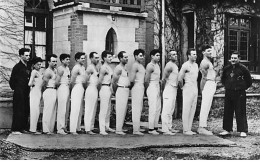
x=40, y=23
x=233, y=37
x=244, y=45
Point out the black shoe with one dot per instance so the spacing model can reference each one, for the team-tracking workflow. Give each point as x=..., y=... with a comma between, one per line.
x=25, y=132
x=81, y=132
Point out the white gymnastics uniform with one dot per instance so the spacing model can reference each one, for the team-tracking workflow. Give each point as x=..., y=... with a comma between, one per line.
x=77, y=94
x=169, y=98
x=50, y=105
x=63, y=93
x=105, y=101
x=154, y=97
x=207, y=94
x=91, y=96
x=190, y=94
x=35, y=99
x=137, y=97
x=122, y=94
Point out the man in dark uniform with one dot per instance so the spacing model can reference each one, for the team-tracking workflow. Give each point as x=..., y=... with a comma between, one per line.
x=19, y=83
x=236, y=79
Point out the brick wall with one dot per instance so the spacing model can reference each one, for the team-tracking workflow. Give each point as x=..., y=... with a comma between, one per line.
x=140, y=34
x=77, y=32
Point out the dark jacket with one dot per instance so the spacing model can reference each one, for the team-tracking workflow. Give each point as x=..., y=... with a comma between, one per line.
x=236, y=77
x=20, y=77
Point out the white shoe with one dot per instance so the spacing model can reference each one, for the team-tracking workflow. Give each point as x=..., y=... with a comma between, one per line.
x=49, y=133
x=103, y=133
x=37, y=133
x=74, y=133
x=142, y=130
x=111, y=130
x=62, y=132
x=203, y=131
x=189, y=133
x=137, y=133
x=243, y=134
x=120, y=133
x=174, y=131
x=153, y=132
x=168, y=133
x=16, y=133
x=90, y=133
x=159, y=130
x=224, y=133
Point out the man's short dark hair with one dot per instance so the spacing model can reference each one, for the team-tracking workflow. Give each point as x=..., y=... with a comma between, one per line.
x=91, y=55
x=205, y=47
x=236, y=53
x=78, y=55
x=154, y=51
x=22, y=50
x=105, y=53
x=64, y=56
x=189, y=51
x=121, y=54
x=49, y=57
x=36, y=60
x=138, y=51
x=172, y=50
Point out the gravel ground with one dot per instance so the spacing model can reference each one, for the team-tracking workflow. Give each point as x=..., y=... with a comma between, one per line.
x=247, y=148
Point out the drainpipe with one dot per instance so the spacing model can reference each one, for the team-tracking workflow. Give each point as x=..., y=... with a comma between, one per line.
x=163, y=34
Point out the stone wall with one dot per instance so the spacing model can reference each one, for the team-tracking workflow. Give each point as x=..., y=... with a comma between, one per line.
x=11, y=39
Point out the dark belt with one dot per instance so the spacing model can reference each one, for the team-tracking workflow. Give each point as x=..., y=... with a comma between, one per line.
x=106, y=85
x=123, y=86
x=50, y=88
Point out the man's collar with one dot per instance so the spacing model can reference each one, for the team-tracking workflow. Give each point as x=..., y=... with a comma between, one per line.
x=23, y=62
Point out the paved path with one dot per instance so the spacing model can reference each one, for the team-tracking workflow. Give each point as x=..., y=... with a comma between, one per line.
x=71, y=142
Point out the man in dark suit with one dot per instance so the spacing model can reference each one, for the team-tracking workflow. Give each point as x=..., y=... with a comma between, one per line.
x=19, y=83
x=236, y=78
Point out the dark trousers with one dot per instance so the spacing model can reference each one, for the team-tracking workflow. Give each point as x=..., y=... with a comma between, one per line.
x=235, y=101
x=21, y=110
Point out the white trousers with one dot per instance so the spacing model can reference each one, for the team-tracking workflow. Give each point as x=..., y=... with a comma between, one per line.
x=190, y=95
x=49, y=110
x=77, y=94
x=35, y=99
x=169, y=100
x=91, y=96
x=105, y=108
x=154, y=102
x=207, y=97
x=63, y=93
x=122, y=95
x=137, y=105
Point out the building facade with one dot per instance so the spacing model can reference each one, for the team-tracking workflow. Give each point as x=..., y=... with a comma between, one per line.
x=227, y=25
x=88, y=25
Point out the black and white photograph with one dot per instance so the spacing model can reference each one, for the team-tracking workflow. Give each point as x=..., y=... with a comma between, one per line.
x=129, y=80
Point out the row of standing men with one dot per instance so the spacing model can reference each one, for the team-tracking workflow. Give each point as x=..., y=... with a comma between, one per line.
x=60, y=85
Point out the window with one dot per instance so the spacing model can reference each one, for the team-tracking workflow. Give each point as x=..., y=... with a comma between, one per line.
x=238, y=37
x=111, y=40
x=35, y=27
x=111, y=43
x=35, y=34
x=242, y=35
